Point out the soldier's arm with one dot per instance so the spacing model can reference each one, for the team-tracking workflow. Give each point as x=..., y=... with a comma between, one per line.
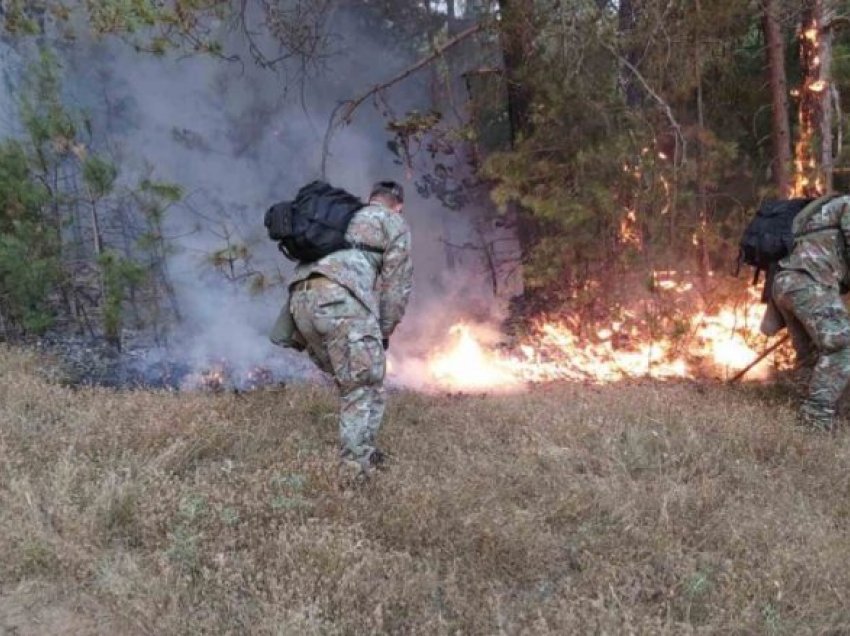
x=396, y=279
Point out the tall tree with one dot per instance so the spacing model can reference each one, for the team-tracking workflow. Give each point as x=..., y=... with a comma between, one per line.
x=517, y=38
x=814, y=162
x=780, y=130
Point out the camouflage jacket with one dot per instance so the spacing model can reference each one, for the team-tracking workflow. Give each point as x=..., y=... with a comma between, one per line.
x=821, y=240
x=381, y=281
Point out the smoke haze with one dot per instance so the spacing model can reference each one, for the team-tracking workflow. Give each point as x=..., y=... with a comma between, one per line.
x=237, y=142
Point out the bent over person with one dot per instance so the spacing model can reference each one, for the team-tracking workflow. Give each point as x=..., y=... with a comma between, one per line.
x=807, y=292
x=344, y=308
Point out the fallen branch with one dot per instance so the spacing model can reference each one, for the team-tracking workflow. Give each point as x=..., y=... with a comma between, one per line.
x=766, y=353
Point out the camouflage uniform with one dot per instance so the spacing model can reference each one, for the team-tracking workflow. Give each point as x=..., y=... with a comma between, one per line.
x=342, y=307
x=807, y=292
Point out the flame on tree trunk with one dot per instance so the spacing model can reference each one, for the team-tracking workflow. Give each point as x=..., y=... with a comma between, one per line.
x=813, y=160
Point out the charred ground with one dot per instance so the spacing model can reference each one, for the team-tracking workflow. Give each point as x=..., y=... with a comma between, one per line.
x=640, y=508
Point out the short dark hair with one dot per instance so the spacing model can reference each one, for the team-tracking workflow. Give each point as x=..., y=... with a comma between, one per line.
x=388, y=188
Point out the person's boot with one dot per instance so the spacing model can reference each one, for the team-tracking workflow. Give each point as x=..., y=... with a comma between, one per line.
x=362, y=467
x=815, y=422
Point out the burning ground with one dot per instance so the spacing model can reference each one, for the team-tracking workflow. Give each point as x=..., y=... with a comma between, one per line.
x=673, y=333
x=668, y=331
x=635, y=507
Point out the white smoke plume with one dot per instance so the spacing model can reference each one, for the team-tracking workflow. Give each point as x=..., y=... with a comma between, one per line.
x=237, y=138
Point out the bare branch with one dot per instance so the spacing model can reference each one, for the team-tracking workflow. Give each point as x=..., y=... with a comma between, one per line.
x=344, y=111
x=680, y=138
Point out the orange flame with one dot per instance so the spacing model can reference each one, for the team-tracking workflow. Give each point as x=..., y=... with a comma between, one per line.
x=807, y=178
x=467, y=364
x=722, y=340
x=630, y=233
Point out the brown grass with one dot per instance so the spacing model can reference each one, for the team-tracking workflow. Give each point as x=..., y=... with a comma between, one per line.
x=623, y=509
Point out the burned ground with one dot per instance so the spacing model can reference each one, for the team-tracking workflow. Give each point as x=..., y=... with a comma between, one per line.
x=628, y=508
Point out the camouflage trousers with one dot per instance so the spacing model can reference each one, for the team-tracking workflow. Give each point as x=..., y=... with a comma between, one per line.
x=819, y=326
x=343, y=338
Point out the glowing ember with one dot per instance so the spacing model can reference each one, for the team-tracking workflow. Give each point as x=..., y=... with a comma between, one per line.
x=221, y=375
x=213, y=379
x=630, y=233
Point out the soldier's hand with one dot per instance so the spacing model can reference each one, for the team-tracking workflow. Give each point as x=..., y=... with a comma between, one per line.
x=386, y=343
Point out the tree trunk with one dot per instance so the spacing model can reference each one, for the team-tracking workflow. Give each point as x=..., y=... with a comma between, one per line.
x=703, y=259
x=813, y=161
x=627, y=17
x=827, y=158
x=517, y=36
x=781, y=129
x=517, y=27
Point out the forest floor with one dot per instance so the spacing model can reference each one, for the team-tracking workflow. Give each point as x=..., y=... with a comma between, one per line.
x=628, y=508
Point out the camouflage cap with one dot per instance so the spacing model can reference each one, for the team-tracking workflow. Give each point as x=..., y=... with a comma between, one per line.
x=391, y=188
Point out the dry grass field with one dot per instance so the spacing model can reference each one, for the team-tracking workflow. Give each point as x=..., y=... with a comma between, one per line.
x=643, y=508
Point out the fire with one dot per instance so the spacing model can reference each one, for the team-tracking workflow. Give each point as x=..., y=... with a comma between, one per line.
x=466, y=363
x=630, y=233
x=722, y=342
x=808, y=179
x=220, y=376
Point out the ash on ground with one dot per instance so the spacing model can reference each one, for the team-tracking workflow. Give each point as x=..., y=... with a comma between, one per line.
x=88, y=361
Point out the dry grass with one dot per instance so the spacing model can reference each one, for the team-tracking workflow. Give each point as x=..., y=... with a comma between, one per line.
x=623, y=509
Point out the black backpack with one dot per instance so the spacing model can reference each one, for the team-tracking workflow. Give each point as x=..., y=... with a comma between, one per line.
x=314, y=224
x=770, y=235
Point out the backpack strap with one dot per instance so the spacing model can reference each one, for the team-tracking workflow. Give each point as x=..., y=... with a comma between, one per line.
x=365, y=248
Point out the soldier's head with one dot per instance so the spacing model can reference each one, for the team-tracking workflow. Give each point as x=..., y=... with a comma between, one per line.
x=389, y=194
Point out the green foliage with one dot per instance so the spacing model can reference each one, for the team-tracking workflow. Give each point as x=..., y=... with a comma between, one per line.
x=21, y=197
x=168, y=192
x=99, y=175
x=63, y=215
x=27, y=276
x=612, y=158
x=110, y=16
x=44, y=117
x=29, y=268
x=17, y=18
x=152, y=26
x=119, y=274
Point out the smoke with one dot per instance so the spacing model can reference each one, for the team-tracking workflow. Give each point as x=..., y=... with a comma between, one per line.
x=238, y=138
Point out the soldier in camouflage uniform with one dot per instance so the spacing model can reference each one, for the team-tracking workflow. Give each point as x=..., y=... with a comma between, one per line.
x=807, y=292
x=343, y=309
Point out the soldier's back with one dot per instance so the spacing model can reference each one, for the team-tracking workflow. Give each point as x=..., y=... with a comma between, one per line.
x=820, y=249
